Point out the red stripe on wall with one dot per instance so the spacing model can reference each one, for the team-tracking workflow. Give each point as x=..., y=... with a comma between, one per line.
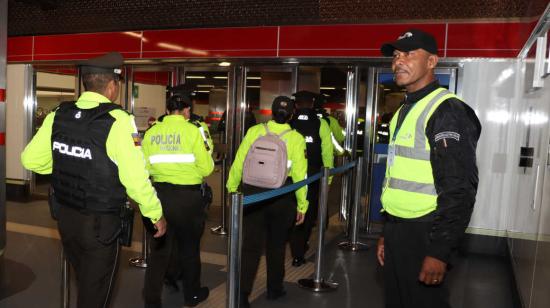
x=2, y=95
x=216, y=112
x=2, y=138
x=265, y=111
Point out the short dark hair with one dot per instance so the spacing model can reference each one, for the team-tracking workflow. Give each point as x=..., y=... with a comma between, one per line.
x=303, y=103
x=178, y=102
x=96, y=82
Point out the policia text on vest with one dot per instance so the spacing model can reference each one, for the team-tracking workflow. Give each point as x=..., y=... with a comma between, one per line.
x=178, y=160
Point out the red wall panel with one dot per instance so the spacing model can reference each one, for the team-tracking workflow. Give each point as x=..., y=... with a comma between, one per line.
x=504, y=39
x=486, y=38
x=346, y=40
x=207, y=43
x=84, y=46
x=19, y=48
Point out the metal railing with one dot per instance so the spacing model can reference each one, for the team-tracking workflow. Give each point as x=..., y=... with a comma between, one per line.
x=238, y=202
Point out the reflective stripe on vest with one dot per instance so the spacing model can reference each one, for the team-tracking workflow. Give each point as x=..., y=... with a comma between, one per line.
x=171, y=158
x=409, y=189
x=337, y=147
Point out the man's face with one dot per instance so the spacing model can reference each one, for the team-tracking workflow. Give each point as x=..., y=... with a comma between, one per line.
x=413, y=68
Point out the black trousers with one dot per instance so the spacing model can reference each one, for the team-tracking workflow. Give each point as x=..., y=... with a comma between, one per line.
x=266, y=225
x=405, y=246
x=184, y=211
x=90, y=243
x=301, y=233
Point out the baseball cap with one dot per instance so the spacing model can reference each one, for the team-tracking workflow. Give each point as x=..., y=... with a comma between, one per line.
x=320, y=100
x=107, y=63
x=178, y=102
x=282, y=103
x=183, y=91
x=304, y=96
x=411, y=39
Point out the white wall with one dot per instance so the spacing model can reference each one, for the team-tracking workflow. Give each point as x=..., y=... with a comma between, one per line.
x=151, y=96
x=496, y=91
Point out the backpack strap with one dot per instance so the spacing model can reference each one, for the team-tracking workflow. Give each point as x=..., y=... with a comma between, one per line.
x=272, y=134
x=267, y=130
x=284, y=132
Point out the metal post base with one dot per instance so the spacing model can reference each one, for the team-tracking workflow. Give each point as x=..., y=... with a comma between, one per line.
x=138, y=262
x=317, y=286
x=350, y=246
x=219, y=230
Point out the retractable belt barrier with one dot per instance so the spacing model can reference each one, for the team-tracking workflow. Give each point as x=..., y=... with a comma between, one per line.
x=250, y=199
x=238, y=202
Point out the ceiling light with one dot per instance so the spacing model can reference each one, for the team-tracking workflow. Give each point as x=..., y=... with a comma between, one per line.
x=327, y=88
x=194, y=77
x=205, y=86
x=253, y=78
x=224, y=63
x=220, y=77
x=253, y=86
x=203, y=91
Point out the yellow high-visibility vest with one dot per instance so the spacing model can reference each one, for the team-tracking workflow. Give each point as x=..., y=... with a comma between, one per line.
x=409, y=190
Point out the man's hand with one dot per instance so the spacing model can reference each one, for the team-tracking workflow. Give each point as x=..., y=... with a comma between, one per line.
x=433, y=271
x=300, y=218
x=160, y=226
x=380, y=251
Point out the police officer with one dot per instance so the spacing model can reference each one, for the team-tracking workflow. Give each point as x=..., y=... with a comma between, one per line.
x=178, y=161
x=268, y=223
x=195, y=119
x=337, y=132
x=89, y=149
x=319, y=154
x=431, y=178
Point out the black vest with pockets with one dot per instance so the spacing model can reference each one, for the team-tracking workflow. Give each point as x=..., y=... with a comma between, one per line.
x=84, y=177
x=307, y=123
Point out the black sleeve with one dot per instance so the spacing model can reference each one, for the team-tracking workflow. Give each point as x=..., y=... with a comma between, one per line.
x=453, y=132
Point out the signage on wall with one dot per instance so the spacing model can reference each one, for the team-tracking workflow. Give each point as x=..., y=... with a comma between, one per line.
x=142, y=116
x=135, y=91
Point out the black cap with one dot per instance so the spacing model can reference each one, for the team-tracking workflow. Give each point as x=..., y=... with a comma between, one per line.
x=304, y=96
x=108, y=63
x=182, y=90
x=178, y=102
x=282, y=102
x=320, y=101
x=411, y=40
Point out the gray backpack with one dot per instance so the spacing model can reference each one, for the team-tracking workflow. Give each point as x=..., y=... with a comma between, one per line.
x=265, y=164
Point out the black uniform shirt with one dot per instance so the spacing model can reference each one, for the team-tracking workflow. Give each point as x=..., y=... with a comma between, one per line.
x=452, y=131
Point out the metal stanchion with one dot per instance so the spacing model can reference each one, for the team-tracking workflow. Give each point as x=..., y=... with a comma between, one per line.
x=141, y=261
x=234, y=251
x=65, y=281
x=221, y=229
x=353, y=244
x=318, y=284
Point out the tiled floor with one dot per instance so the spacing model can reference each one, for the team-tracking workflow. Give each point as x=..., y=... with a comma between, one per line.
x=33, y=262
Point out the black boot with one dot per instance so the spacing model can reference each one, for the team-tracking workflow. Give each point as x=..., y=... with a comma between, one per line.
x=243, y=301
x=198, y=297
